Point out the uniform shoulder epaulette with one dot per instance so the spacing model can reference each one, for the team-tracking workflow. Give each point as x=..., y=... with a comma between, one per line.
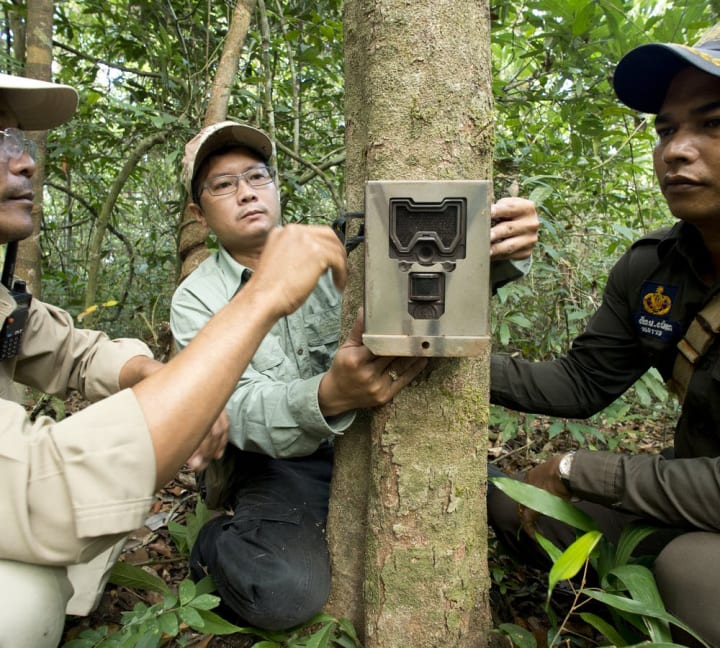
x=653, y=237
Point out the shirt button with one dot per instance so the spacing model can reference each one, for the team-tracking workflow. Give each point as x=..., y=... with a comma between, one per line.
x=299, y=351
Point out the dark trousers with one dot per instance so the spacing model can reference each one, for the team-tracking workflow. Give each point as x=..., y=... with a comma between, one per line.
x=686, y=567
x=270, y=560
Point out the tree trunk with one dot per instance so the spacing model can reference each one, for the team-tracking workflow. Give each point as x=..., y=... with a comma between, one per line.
x=418, y=106
x=103, y=219
x=38, y=65
x=191, y=244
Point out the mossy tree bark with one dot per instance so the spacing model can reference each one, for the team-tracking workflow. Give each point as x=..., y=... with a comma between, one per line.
x=407, y=514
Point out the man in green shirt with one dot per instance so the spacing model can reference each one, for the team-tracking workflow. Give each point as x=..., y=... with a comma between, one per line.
x=269, y=559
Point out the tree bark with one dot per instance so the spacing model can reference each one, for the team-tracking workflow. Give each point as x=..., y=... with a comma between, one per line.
x=192, y=248
x=38, y=65
x=418, y=106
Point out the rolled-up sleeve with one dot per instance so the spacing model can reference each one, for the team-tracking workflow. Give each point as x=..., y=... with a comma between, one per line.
x=57, y=357
x=73, y=487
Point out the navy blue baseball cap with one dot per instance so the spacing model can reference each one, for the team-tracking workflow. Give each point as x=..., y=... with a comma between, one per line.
x=643, y=76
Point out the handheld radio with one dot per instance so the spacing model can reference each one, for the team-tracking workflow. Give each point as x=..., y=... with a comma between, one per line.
x=14, y=325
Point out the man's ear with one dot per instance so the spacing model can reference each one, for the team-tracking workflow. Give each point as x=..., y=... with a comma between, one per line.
x=197, y=212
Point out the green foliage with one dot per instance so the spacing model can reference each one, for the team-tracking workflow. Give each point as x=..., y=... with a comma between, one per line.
x=628, y=588
x=184, y=535
x=147, y=626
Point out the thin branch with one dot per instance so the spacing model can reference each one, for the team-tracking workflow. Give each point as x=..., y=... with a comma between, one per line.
x=317, y=171
x=115, y=66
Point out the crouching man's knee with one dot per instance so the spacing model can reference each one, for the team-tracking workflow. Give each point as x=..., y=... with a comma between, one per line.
x=32, y=604
x=687, y=573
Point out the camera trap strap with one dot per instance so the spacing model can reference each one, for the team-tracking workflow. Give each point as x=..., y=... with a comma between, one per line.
x=698, y=339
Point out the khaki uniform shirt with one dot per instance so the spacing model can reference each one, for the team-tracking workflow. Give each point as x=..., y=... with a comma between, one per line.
x=70, y=489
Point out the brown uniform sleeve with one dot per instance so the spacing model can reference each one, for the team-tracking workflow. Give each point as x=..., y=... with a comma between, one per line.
x=677, y=492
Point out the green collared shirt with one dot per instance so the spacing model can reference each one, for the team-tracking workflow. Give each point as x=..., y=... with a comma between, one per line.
x=274, y=408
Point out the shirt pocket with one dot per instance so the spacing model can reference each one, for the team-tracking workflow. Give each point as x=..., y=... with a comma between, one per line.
x=322, y=330
x=269, y=358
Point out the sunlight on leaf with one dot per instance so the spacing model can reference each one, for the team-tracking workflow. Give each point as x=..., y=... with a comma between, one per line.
x=572, y=559
x=540, y=500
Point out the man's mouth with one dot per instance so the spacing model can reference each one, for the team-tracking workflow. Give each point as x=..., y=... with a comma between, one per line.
x=676, y=183
x=21, y=196
x=252, y=212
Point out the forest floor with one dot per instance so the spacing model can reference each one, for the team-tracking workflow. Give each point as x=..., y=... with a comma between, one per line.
x=518, y=592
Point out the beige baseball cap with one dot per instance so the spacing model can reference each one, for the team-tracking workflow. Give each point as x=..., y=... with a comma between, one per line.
x=37, y=105
x=217, y=136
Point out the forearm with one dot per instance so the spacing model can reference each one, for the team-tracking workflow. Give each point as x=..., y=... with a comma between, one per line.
x=137, y=369
x=181, y=400
x=280, y=418
x=677, y=492
x=554, y=388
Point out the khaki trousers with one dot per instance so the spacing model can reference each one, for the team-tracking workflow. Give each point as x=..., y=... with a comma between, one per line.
x=32, y=604
x=34, y=599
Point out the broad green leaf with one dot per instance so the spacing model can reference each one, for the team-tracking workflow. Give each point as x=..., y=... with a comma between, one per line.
x=169, y=624
x=641, y=585
x=550, y=549
x=349, y=629
x=542, y=501
x=216, y=625
x=135, y=577
x=149, y=640
x=573, y=559
x=192, y=617
x=321, y=638
x=205, y=602
x=636, y=607
x=186, y=591
x=604, y=628
x=205, y=586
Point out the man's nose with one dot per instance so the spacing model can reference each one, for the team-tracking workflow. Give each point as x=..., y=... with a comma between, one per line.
x=24, y=164
x=680, y=147
x=245, y=191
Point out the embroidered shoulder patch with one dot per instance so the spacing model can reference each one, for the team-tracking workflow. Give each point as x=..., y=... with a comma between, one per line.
x=656, y=302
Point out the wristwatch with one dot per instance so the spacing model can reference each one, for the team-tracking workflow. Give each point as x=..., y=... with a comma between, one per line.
x=564, y=468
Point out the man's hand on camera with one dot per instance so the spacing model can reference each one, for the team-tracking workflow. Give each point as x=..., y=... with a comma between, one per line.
x=358, y=379
x=515, y=229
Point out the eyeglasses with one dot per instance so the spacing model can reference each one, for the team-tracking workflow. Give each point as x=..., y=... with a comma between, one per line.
x=14, y=143
x=225, y=185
